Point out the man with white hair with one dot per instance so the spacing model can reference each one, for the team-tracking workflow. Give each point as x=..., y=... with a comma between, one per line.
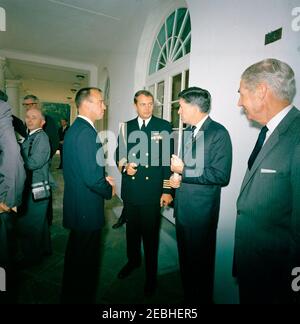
x=267, y=238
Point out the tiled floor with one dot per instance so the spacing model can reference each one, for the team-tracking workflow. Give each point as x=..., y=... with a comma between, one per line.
x=41, y=284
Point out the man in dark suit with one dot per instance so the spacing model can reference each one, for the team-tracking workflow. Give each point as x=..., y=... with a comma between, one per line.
x=267, y=238
x=204, y=170
x=61, y=133
x=85, y=190
x=12, y=177
x=145, y=184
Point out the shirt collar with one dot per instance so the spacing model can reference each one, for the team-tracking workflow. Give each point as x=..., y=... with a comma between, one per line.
x=88, y=120
x=276, y=120
x=34, y=131
x=140, y=121
x=200, y=124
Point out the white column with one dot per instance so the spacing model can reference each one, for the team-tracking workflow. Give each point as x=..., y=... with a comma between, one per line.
x=13, y=93
x=73, y=110
x=2, y=78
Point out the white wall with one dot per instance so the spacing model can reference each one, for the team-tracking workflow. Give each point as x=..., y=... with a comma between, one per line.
x=227, y=37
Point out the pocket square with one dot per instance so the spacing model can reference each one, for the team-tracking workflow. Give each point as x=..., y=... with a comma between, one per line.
x=267, y=171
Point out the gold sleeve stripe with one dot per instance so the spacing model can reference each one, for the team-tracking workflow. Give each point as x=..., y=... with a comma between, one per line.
x=167, y=184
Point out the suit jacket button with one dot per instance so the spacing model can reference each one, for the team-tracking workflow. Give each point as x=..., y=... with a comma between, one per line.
x=147, y=178
x=133, y=178
x=147, y=166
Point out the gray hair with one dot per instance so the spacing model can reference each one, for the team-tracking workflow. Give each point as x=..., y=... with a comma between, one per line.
x=34, y=98
x=277, y=74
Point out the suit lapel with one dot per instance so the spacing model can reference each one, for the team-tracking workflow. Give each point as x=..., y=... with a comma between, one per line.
x=269, y=145
x=267, y=148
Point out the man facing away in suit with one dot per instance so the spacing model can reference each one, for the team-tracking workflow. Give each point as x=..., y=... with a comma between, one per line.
x=12, y=178
x=204, y=170
x=86, y=187
x=267, y=238
x=145, y=185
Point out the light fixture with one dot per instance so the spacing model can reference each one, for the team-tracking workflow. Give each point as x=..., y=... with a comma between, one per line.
x=80, y=77
x=76, y=85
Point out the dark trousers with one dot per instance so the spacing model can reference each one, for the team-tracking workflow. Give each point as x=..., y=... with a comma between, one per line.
x=6, y=239
x=143, y=223
x=81, y=269
x=196, y=249
x=61, y=155
x=7, y=252
x=263, y=283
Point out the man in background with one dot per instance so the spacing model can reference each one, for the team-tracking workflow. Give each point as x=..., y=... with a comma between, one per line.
x=61, y=134
x=50, y=127
x=32, y=101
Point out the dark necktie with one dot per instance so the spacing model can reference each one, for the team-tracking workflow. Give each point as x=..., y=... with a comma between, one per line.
x=193, y=132
x=143, y=128
x=259, y=144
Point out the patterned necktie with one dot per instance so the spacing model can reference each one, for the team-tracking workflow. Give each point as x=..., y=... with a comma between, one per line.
x=143, y=128
x=259, y=144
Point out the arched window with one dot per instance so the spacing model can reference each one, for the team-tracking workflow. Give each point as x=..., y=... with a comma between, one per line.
x=173, y=41
x=169, y=64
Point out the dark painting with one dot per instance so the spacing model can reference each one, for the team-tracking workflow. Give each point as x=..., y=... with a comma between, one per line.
x=57, y=111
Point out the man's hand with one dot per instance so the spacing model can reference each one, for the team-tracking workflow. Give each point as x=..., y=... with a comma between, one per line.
x=165, y=200
x=4, y=208
x=111, y=181
x=177, y=164
x=131, y=169
x=175, y=181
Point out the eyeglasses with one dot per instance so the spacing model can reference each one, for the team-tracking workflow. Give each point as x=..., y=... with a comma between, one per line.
x=29, y=104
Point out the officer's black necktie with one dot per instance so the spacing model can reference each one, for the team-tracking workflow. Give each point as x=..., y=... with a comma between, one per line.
x=143, y=128
x=259, y=144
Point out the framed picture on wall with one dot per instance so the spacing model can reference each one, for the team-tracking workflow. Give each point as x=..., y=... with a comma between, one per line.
x=57, y=111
